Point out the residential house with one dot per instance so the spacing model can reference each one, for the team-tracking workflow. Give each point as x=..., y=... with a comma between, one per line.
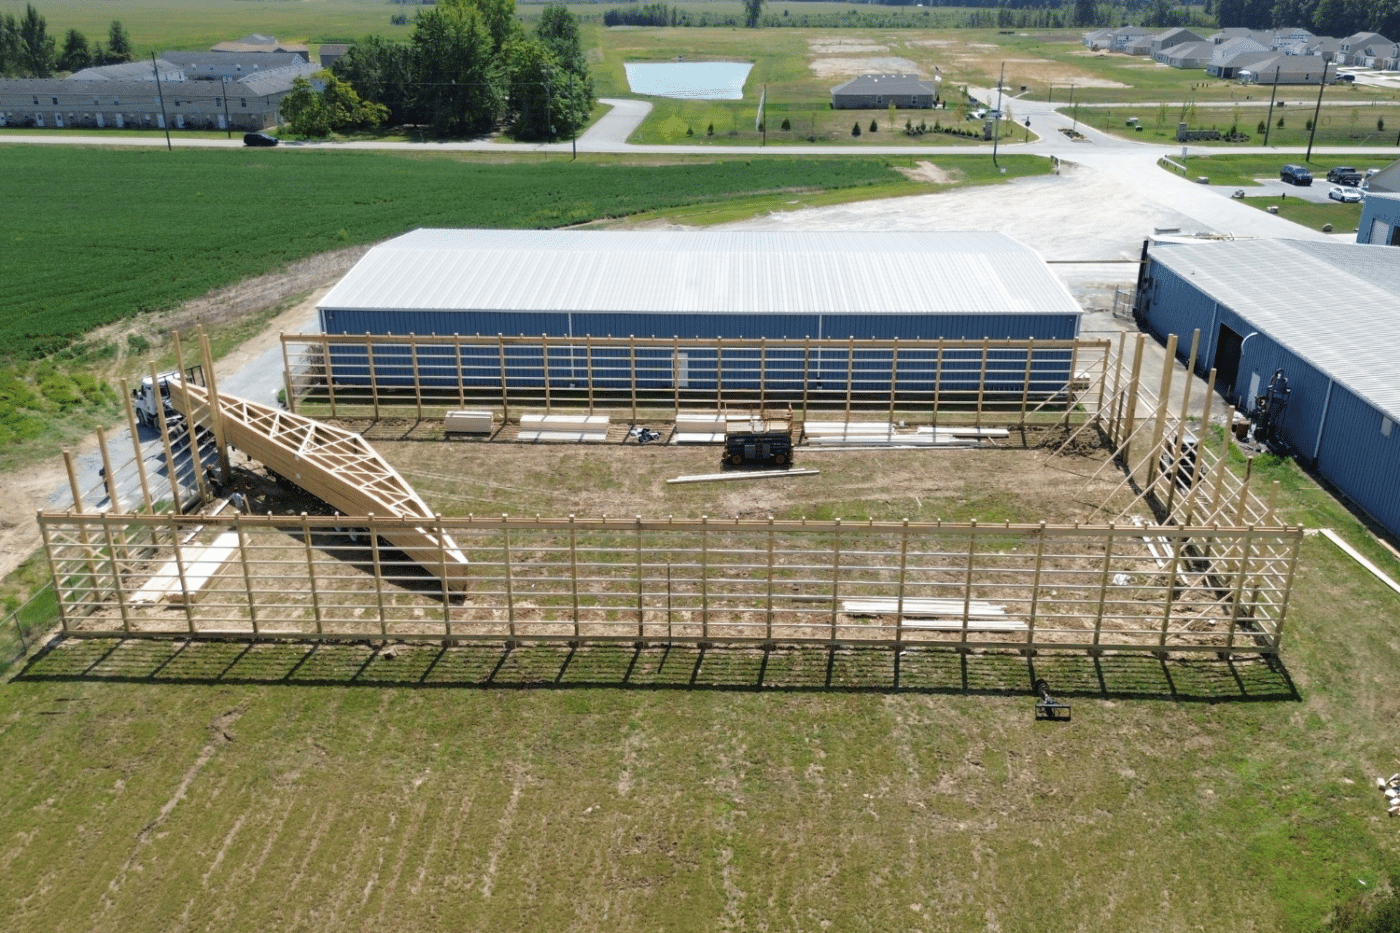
x=1324, y=47
x=1291, y=41
x=262, y=43
x=1172, y=37
x=1288, y=69
x=330, y=54
x=1187, y=55
x=874, y=91
x=1098, y=39
x=1367, y=50
x=1122, y=37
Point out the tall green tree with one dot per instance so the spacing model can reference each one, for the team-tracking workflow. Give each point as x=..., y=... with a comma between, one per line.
x=118, y=43
x=76, y=55
x=460, y=87
x=1086, y=12
x=383, y=71
x=753, y=9
x=304, y=111
x=558, y=32
x=9, y=46
x=36, y=45
x=497, y=16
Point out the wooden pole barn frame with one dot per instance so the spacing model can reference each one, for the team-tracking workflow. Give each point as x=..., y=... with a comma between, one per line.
x=1030, y=587
x=956, y=381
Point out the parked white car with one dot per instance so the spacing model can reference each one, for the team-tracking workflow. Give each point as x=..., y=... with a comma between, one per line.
x=1344, y=194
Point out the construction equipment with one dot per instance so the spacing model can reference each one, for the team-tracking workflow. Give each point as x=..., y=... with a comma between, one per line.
x=1047, y=707
x=154, y=405
x=763, y=435
x=1269, y=410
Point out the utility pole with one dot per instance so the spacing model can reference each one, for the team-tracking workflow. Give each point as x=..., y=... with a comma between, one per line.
x=1269, y=120
x=573, y=101
x=228, y=124
x=161, y=93
x=1072, y=110
x=996, y=130
x=1317, y=111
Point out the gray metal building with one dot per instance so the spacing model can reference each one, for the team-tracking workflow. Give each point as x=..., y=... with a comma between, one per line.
x=739, y=285
x=1327, y=315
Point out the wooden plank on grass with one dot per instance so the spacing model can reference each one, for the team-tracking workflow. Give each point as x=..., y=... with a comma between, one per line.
x=1356, y=555
x=742, y=474
x=563, y=437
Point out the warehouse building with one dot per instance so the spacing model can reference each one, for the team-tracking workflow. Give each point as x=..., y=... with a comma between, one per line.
x=734, y=285
x=1326, y=316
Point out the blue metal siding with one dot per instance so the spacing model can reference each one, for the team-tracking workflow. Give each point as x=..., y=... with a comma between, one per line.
x=1175, y=306
x=1308, y=387
x=1372, y=209
x=1362, y=462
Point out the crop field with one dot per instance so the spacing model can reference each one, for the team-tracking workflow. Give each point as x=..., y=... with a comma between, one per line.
x=99, y=252
x=348, y=787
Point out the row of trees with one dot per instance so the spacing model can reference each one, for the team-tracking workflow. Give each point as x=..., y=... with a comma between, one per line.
x=469, y=67
x=28, y=51
x=1338, y=18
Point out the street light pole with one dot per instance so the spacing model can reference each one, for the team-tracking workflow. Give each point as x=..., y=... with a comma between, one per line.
x=1269, y=121
x=1321, y=83
x=228, y=125
x=996, y=130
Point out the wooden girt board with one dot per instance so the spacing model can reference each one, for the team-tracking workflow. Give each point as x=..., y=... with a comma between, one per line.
x=335, y=465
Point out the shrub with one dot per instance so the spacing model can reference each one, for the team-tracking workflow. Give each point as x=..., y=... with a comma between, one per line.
x=1307, y=125
x=855, y=130
x=787, y=124
x=1260, y=128
x=1279, y=124
x=873, y=127
x=710, y=130
x=689, y=131
x=1380, y=124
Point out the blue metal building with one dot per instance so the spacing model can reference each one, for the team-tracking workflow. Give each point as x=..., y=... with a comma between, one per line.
x=1327, y=315
x=739, y=285
x=1380, y=220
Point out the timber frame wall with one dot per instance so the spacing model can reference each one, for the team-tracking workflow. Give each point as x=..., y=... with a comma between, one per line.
x=1096, y=588
x=953, y=381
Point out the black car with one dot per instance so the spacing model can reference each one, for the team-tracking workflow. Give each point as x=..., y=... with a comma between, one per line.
x=259, y=139
x=1296, y=175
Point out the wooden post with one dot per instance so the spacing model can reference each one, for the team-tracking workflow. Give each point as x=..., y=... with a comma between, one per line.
x=704, y=577
x=373, y=375
x=1035, y=585
x=632, y=368
x=417, y=375
x=108, y=476
x=1073, y=378
x=442, y=575
x=1026, y=383
x=216, y=410
x=1242, y=500
x=981, y=395
x=719, y=370
x=835, y=576
x=287, y=385
x=505, y=379
x=1178, y=542
x=311, y=572
x=191, y=431
x=330, y=373
x=903, y=584
x=1104, y=580
x=1116, y=432
x=136, y=447
x=1160, y=424
x=58, y=590
x=573, y=571
x=641, y=603
x=1131, y=411
x=462, y=375
x=247, y=571
x=1198, y=459
x=1297, y=536
x=676, y=372
x=850, y=373
x=762, y=372
x=806, y=373
x=1237, y=588
x=588, y=367
x=509, y=574
x=114, y=562
x=937, y=385
x=378, y=573
x=768, y=613
x=187, y=599
x=967, y=580
x=1107, y=348
x=894, y=379
x=171, y=472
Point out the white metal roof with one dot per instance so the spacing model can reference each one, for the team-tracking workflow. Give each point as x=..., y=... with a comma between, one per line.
x=709, y=272
x=1333, y=304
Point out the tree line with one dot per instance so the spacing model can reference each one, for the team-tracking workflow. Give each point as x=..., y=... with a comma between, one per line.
x=28, y=51
x=1338, y=18
x=469, y=67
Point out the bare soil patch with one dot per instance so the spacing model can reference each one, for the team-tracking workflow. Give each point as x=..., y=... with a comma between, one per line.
x=840, y=45
x=835, y=67
x=927, y=171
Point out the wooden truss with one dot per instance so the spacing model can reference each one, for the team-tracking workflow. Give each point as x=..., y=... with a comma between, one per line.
x=335, y=465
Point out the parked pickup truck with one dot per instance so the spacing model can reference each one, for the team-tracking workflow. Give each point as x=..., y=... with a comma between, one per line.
x=1344, y=175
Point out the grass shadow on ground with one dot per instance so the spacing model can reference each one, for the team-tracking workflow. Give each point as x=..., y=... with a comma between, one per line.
x=793, y=669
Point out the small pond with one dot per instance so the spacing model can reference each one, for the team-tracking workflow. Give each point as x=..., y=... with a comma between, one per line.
x=689, y=80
